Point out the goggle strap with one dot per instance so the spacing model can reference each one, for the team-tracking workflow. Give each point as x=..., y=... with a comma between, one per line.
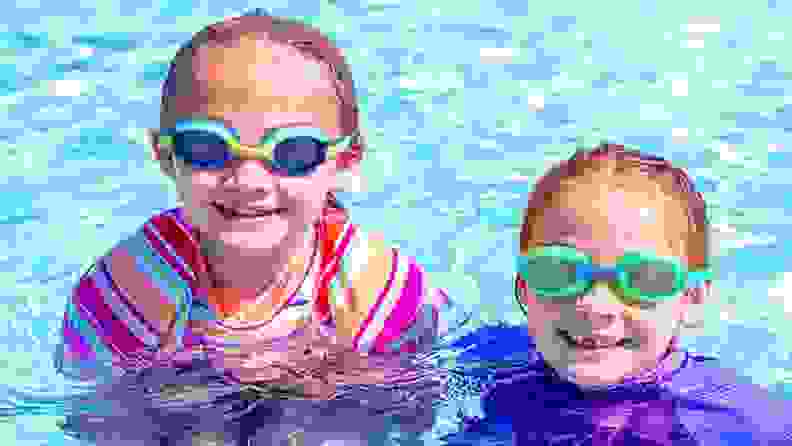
x=336, y=146
x=165, y=140
x=343, y=141
x=695, y=278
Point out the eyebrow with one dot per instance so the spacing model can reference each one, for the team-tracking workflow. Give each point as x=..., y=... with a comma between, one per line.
x=210, y=117
x=227, y=124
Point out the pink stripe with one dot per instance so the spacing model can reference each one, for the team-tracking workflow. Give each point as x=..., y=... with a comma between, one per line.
x=178, y=215
x=322, y=308
x=74, y=342
x=190, y=339
x=441, y=298
x=155, y=306
x=435, y=317
x=162, y=251
x=380, y=298
x=111, y=330
x=334, y=262
x=81, y=294
x=190, y=251
x=409, y=347
x=122, y=296
x=403, y=314
x=344, y=244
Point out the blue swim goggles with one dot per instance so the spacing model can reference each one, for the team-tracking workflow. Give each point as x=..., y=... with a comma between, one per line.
x=289, y=151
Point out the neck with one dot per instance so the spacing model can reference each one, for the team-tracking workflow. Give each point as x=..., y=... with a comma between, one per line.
x=254, y=272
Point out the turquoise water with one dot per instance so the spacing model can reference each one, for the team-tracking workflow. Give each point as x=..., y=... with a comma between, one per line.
x=466, y=103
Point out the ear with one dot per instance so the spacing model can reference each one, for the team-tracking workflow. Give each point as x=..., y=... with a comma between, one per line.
x=699, y=294
x=162, y=155
x=520, y=288
x=691, y=317
x=519, y=293
x=352, y=155
x=519, y=284
x=152, y=135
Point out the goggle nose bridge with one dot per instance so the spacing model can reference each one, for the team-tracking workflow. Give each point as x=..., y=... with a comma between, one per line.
x=596, y=272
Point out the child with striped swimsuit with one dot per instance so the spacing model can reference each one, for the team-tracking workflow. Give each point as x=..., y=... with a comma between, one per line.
x=258, y=128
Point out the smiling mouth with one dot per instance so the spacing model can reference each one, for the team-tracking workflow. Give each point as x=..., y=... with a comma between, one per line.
x=234, y=213
x=591, y=342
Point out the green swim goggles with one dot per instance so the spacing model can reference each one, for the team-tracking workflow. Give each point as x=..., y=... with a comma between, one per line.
x=562, y=272
x=290, y=151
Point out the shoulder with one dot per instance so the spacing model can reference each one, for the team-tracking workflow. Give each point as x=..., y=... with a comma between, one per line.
x=383, y=294
x=707, y=390
x=163, y=242
x=370, y=262
x=362, y=268
x=146, y=276
x=373, y=266
x=365, y=258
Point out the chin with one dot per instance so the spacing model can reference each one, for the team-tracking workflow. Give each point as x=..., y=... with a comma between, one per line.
x=600, y=368
x=261, y=233
x=593, y=376
x=265, y=238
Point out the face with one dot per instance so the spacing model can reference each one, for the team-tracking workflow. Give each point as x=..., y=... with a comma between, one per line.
x=605, y=221
x=254, y=87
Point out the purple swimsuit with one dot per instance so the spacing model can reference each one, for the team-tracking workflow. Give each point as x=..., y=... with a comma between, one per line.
x=694, y=403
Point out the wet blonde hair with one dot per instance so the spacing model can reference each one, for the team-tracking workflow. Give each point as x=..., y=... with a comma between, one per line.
x=616, y=160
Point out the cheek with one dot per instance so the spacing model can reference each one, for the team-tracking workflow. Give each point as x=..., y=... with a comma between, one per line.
x=306, y=191
x=195, y=185
x=656, y=326
x=313, y=188
x=197, y=188
x=541, y=316
x=307, y=196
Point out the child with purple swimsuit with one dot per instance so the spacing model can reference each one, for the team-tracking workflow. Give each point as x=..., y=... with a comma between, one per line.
x=614, y=255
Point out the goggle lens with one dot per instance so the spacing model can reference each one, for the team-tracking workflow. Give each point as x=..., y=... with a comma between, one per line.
x=298, y=155
x=200, y=148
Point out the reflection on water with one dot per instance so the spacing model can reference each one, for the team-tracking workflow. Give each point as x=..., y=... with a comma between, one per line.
x=376, y=400
x=372, y=398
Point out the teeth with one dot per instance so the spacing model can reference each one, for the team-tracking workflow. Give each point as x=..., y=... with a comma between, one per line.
x=229, y=211
x=248, y=213
x=588, y=342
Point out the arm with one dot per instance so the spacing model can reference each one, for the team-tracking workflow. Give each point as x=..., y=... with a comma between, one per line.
x=85, y=350
x=113, y=318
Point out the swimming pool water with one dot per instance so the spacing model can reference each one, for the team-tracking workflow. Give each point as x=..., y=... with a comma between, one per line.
x=466, y=103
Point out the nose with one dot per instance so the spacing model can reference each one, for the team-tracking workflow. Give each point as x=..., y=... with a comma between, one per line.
x=599, y=307
x=251, y=174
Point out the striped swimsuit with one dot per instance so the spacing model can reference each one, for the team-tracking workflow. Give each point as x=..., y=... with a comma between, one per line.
x=159, y=271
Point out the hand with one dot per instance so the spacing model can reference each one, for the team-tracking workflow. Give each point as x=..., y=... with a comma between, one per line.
x=311, y=365
x=305, y=365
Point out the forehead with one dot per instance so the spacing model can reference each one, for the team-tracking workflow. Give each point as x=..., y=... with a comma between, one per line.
x=608, y=218
x=261, y=66
x=259, y=78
